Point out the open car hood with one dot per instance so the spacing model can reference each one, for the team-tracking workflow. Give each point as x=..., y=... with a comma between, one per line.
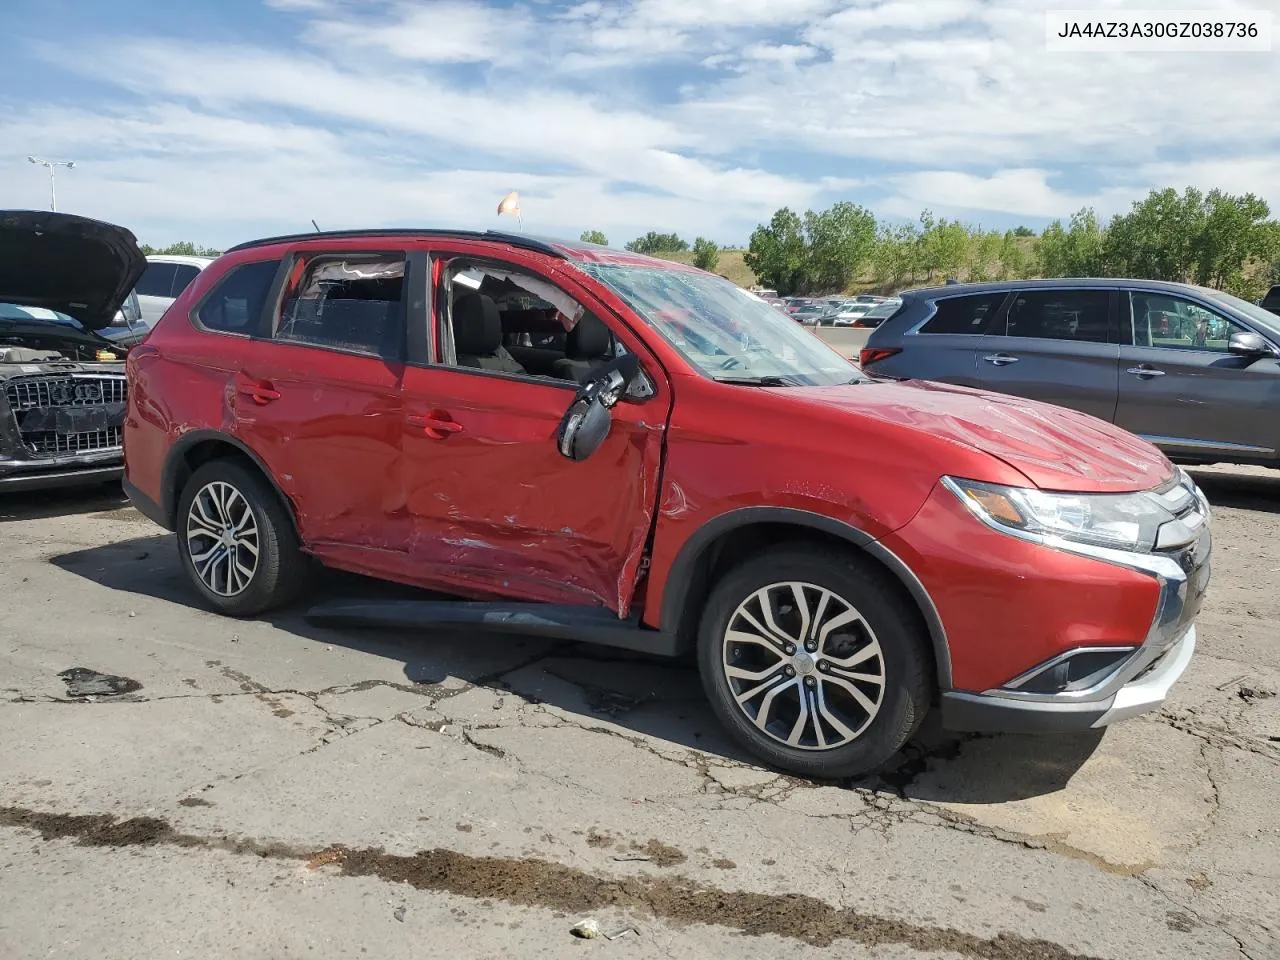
x=83, y=268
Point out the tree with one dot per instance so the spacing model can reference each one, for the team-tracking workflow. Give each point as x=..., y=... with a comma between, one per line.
x=983, y=260
x=819, y=252
x=1154, y=239
x=1015, y=261
x=943, y=245
x=777, y=253
x=840, y=242
x=706, y=254
x=1076, y=251
x=594, y=236
x=654, y=242
x=1234, y=232
x=1023, y=232
x=184, y=248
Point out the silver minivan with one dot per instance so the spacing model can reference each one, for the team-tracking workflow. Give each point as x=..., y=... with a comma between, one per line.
x=1195, y=371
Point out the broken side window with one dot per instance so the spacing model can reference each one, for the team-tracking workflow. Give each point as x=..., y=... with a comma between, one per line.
x=350, y=303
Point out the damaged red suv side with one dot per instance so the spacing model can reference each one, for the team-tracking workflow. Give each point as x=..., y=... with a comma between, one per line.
x=600, y=446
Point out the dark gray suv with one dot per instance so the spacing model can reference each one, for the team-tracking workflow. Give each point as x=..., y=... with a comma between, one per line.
x=1193, y=370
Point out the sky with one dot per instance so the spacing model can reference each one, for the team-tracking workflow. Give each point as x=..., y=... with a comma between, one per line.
x=218, y=122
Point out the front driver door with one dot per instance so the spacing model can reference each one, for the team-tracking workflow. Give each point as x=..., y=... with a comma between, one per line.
x=495, y=509
x=1182, y=389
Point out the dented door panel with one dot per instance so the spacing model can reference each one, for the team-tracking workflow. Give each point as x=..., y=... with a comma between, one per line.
x=497, y=511
x=329, y=430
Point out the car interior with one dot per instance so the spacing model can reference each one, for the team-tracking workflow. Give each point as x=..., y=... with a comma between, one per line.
x=351, y=304
x=1167, y=322
x=508, y=322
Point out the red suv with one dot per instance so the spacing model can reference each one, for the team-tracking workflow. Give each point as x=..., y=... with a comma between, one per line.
x=609, y=448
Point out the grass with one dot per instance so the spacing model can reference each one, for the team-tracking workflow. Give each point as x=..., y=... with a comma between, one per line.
x=731, y=265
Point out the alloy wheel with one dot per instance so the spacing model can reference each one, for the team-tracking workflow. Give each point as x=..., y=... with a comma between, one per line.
x=803, y=666
x=222, y=538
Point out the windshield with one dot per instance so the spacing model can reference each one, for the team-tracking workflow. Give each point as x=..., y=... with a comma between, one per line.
x=1263, y=318
x=724, y=331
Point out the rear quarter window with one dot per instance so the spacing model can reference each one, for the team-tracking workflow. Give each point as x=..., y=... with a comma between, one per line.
x=235, y=303
x=970, y=314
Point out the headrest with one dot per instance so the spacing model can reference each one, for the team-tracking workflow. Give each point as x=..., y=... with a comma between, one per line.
x=589, y=340
x=477, y=328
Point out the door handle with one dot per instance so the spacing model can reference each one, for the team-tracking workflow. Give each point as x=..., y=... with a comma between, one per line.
x=1145, y=372
x=1000, y=359
x=260, y=392
x=436, y=425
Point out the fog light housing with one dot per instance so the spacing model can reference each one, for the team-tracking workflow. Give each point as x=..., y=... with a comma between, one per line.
x=1072, y=672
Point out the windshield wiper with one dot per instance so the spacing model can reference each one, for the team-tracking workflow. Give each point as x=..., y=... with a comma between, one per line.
x=770, y=381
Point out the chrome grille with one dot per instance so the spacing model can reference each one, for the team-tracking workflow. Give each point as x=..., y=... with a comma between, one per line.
x=73, y=390
x=46, y=443
x=60, y=415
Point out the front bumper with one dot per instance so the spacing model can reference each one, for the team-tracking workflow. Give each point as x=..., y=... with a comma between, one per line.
x=1138, y=683
x=992, y=713
x=50, y=473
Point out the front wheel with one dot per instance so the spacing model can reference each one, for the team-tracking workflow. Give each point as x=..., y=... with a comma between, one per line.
x=237, y=542
x=814, y=662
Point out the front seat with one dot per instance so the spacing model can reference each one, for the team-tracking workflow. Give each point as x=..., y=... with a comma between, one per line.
x=588, y=344
x=477, y=335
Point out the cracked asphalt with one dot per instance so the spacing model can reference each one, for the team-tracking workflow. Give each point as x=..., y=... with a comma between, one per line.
x=173, y=783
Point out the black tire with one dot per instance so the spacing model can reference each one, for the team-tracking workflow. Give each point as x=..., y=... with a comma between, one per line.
x=904, y=662
x=280, y=573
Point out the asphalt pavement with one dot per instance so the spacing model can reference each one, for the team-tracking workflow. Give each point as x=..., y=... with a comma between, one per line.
x=173, y=783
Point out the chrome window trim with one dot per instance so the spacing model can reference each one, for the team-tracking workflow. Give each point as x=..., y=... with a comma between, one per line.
x=1191, y=443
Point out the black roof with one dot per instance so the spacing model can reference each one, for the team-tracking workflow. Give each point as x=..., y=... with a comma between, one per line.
x=541, y=244
x=1004, y=286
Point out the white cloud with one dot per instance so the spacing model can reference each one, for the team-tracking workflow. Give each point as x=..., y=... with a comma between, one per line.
x=969, y=86
x=636, y=114
x=445, y=31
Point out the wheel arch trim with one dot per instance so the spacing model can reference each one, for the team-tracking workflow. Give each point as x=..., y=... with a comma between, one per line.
x=680, y=577
x=176, y=459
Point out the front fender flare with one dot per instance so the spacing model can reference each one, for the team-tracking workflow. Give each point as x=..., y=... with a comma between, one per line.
x=680, y=577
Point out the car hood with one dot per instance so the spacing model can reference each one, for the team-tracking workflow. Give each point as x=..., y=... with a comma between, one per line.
x=1053, y=447
x=83, y=268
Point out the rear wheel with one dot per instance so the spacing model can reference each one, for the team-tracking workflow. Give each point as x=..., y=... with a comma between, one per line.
x=814, y=662
x=237, y=542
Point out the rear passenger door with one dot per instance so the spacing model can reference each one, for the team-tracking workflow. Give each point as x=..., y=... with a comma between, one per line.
x=944, y=347
x=318, y=398
x=1055, y=345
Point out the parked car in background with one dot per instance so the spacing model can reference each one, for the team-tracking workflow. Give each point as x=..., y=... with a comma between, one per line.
x=62, y=386
x=127, y=327
x=1193, y=370
x=879, y=313
x=848, y=314
x=648, y=482
x=166, y=276
x=1271, y=301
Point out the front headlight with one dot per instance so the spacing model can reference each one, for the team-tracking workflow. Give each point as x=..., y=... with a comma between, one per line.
x=1134, y=522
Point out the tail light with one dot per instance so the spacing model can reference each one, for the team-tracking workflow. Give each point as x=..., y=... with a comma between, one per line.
x=870, y=355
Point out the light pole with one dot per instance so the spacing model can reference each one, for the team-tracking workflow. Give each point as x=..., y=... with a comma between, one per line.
x=53, y=186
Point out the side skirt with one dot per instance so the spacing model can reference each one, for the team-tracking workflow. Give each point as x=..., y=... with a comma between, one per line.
x=593, y=625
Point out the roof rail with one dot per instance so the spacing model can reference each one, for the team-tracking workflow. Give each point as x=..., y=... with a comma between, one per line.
x=514, y=239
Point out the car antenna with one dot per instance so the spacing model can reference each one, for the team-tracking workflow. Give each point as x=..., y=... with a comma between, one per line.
x=316, y=225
